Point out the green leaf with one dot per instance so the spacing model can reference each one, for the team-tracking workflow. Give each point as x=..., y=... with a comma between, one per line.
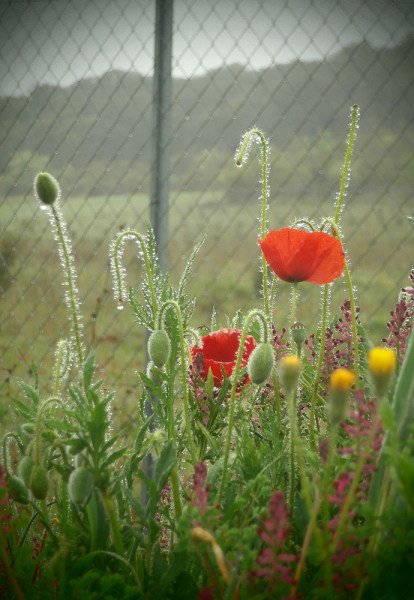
x=35, y=375
x=215, y=471
x=164, y=465
x=99, y=523
x=61, y=425
x=210, y=438
x=22, y=408
x=88, y=371
x=136, y=505
x=30, y=392
x=113, y=458
x=141, y=435
x=98, y=425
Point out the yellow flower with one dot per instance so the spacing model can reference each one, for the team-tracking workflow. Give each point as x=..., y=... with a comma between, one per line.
x=342, y=380
x=381, y=365
x=290, y=368
x=381, y=361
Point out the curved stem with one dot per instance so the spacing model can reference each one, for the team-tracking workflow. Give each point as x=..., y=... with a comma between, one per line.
x=118, y=269
x=345, y=170
x=250, y=316
x=38, y=424
x=303, y=222
x=70, y=278
x=164, y=307
x=241, y=157
x=319, y=366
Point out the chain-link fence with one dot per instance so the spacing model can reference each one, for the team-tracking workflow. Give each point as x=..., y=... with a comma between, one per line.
x=76, y=100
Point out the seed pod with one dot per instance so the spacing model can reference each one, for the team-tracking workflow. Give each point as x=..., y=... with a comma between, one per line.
x=46, y=188
x=18, y=490
x=261, y=363
x=25, y=469
x=39, y=482
x=81, y=484
x=159, y=347
x=298, y=333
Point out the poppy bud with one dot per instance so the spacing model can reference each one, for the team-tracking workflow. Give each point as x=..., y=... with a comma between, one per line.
x=261, y=363
x=341, y=382
x=381, y=366
x=18, y=490
x=81, y=484
x=28, y=428
x=46, y=188
x=39, y=483
x=25, y=469
x=159, y=347
x=290, y=368
x=298, y=333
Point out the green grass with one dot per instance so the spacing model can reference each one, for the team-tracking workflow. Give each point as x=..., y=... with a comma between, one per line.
x=378, y=239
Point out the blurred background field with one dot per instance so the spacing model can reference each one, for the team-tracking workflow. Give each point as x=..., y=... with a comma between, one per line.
x=76, y=99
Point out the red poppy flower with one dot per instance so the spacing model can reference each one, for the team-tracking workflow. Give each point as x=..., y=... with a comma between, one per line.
x=296, y=255
x=220, y=349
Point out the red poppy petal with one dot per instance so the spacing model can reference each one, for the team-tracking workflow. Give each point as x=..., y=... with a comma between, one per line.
x=296, y=255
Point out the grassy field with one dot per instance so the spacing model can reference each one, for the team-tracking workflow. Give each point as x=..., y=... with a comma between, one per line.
x=378, y=238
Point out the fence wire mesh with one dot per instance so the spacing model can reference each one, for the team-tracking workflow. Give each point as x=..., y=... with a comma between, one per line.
x=76, y=100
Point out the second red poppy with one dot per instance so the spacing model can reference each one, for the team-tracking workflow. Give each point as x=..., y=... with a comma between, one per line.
x=296, y=255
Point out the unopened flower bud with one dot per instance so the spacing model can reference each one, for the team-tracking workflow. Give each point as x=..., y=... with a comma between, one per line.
x=25, y=469
x=290, y=368
x=381, y=366
x=39, y=483
x=261, y=363
x=341, y=382
x=18, y=490
x=159, y=347
x=46, y=188
x=81, y=484
x=298, y=333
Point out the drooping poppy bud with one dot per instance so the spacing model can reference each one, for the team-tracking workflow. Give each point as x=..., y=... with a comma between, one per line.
x=81, y=484
x=46, y=188
x=25, y=469
x=159, y=348
x=39, y=482
x=261, y=363
x=18, y=490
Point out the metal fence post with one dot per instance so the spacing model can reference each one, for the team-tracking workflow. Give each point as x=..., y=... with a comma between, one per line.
x=160, y=181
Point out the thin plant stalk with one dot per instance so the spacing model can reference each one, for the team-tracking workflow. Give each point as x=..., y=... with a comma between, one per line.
x=241, y=157
x=346, y=168
x=319, y=365
x=72, y=291
x=173, y=304
x=39, y=425
x=62, y=364
x=293, y=306
x=252, y=314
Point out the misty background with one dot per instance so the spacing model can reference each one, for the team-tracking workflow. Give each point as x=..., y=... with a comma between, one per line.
x=76, y=81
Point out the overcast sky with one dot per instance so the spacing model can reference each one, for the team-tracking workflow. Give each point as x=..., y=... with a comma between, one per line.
x=61, y=41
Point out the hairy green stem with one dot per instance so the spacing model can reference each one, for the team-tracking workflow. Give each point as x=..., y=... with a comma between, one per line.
x=345, y=170
x=118, y=271
x=319, y=366
x=252, y=314
x=71, y=286
x=110, y=509
x=62, y=346
x=292, y=409
x=173, y=304
x=241, y=156
x=39, y=424
x=293, y=306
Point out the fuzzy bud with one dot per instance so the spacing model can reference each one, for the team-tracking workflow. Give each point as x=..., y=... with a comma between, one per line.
x=81, y=484
x=290, y=368
x=298, y=333
x=341, y=382
x=18, y=490
x=25, y=469
x=261, y=363
x=381, y=366
x=46, y=188
x=159, y=347
x=39, y=483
